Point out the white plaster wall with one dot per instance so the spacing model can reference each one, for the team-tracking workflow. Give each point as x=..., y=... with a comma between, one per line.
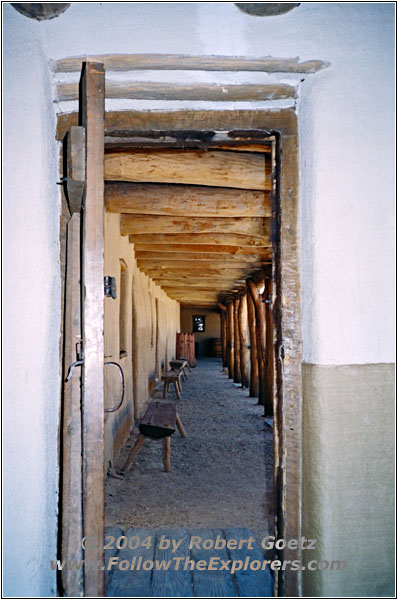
x=346, y=117
x=31, y=317
x=347, y=145
x=347, y=199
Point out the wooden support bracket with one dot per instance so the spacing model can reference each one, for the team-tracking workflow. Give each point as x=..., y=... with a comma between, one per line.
x=76, y=167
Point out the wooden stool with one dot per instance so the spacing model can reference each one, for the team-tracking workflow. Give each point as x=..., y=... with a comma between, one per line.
x=172, y=377
x=187, y=361
x=179, y=364
x=160, y=421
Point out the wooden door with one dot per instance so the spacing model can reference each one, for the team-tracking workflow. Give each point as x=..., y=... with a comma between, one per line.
x=83, y=411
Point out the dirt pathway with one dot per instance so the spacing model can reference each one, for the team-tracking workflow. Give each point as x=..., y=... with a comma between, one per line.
x=221, y=474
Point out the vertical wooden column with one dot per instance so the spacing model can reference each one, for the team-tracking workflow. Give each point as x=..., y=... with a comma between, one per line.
x=237, y=374
x=261, y=354
x=243, y=342
x=72, y=532
x=253, y=390
x=223, y=317
x=93, y=106
x=230, y=339
x=224, y=338
x=269, y=344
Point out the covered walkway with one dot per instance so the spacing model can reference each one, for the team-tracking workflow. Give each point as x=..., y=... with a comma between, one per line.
x=221, y=473
x=221, y=478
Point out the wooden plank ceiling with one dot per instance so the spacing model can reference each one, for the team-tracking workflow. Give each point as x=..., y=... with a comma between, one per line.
x=200, y=220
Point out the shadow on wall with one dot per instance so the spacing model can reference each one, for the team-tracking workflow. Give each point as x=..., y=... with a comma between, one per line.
x=204, y=340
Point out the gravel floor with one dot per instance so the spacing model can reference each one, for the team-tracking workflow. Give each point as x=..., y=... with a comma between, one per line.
x=221, y=473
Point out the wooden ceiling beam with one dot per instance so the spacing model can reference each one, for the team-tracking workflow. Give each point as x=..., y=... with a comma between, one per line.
x=198, y=305
x=208, y=282
x=242, y=170
x=177, y=290
x=200, y=269
x=187, y=266
x=257, y=227
x=186, y=200
x=183, y=249
x=239, y=147
x=207, y=239
x=202, y=256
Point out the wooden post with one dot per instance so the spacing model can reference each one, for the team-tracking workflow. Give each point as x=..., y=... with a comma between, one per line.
x=237, y=373
x=269, y=344
x=72, y=532
x=261, y=355
x=224, y=325
x=230, y=339
x=243, y=342
x=93, y=107
x=253, y=390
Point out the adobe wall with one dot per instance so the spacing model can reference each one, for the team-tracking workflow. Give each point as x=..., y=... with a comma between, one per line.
x=212, y=327
x=147, y=327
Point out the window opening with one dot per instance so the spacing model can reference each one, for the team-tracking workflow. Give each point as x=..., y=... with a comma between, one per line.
x=198, y=323
x=123, y=307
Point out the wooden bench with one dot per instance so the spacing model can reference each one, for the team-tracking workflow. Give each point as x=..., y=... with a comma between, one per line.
x=159, y=421
x=179, y=364
x=172, y=377
x=186, y=360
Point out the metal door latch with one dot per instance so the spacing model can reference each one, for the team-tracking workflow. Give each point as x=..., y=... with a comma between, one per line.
x=78, y=363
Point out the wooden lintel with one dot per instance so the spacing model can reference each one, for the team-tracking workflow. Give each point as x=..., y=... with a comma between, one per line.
x=182, y=62
x=154, y=90
x=131, y=122
x=186, y=200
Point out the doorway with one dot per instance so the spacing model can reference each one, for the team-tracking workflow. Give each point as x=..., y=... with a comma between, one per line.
x=195, y=129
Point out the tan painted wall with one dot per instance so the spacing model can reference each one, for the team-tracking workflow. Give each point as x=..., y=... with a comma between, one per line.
x=212, y=327
x=348, y=478
x=139, y=365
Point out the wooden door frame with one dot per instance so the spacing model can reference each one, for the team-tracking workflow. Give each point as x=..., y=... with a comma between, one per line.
x=197, y=128
x=82, y=472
